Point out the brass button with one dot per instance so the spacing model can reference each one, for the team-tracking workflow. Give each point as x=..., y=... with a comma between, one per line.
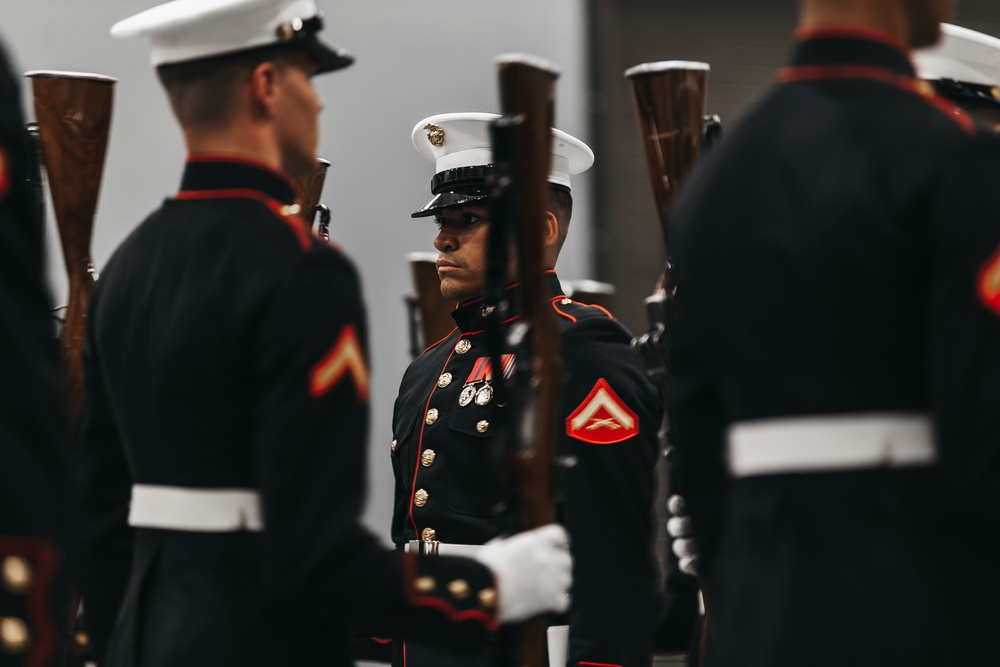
x=420, y=498
x=432, y=416
x=459, y=589
x=487, y=597
x=13, y=635
x=482, y=426
x=463, y=346
x=923, y=88
x=566, y=301
x=291, y=209
x=444, y=380
x=488, y=310
x=424, y=584
x=81, y=640
x=16, y=574
x=427, y=458
x=428, y=534
x=393, y=446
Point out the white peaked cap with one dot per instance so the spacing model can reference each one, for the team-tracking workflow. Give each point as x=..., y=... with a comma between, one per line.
x=186, y=30
x=463, y=140
x=963, y=55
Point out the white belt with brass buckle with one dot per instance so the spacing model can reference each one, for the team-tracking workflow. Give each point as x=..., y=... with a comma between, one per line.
x=197, y=510
x=441, y=549
x=827, y=443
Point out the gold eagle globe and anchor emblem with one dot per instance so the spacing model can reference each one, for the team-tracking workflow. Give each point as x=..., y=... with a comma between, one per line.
x=435, y=134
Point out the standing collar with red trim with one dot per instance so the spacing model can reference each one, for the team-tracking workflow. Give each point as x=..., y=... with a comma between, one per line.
x=209, y=173
x=469, y=316
x=851, y=45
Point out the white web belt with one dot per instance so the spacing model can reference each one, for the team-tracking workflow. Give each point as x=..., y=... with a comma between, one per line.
x=828, y=443
x=198, y=510
x=441, y=549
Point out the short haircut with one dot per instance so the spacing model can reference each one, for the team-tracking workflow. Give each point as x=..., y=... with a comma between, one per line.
x=561, y=206
x=203, y=92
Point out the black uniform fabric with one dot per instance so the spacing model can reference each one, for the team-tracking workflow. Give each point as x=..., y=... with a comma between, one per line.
x=33, y=473
x=444, y=457
x=227, y=349
x=832, y=257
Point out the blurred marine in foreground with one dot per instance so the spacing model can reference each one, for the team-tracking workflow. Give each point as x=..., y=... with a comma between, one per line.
x=836, y=359
x=33, y=473
x=227, y=384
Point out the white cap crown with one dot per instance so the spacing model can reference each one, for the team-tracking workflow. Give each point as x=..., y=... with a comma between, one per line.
x=186, y=30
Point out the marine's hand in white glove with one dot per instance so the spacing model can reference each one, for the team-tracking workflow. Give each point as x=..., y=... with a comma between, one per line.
x=533, y=572
x=679, y=528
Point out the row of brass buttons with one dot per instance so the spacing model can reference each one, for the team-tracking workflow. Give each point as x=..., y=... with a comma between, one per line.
x=16, y=575
x=459, y=589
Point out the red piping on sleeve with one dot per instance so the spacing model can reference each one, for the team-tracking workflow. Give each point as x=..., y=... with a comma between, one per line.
x=409, y=565
x=43, y=643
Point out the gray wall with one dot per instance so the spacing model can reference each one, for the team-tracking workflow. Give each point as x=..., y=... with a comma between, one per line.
x=414, y=59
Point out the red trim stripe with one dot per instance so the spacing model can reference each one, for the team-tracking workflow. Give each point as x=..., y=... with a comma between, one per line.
x=433, y=345
x=806, y=33
x=600, y=664
x=489, y=621
x=296, y=224
x=702, y=641
x=420, y=446
x=880, y=74
x=569, y=317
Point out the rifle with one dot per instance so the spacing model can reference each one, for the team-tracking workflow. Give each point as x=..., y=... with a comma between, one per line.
x=309, y=191
x=670, y=100
x=522, y=153
x=429, y=311
x=73, y=112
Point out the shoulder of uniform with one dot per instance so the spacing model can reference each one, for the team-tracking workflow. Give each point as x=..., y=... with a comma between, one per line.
x=949, y=109
x=452, y=335
x=570, y=311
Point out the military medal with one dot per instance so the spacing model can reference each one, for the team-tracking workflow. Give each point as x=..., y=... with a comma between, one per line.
x=484, y=395
x=468, y=393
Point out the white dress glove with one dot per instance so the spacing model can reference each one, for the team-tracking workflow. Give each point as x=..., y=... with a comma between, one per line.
x=679, y=528
x=533, y=572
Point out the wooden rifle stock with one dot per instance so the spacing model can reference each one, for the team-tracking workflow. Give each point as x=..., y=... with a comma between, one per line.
x=670, y=100
x=527, y=100
x=309, y=190
x=73, y=112
x=430, y=311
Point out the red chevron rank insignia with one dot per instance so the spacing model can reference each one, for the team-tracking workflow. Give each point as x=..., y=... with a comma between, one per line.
x=344, y=358
x=602, y=418
x=989, y=282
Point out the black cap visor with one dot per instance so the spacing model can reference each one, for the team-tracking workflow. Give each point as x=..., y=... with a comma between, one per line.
x=454, y=187
x=328, y=56
x=964, y=93
x=446, y=199
x=304, y=34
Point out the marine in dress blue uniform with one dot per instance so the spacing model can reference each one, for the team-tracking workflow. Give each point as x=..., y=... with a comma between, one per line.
x=34, y=480
x=443, y=451
x=835, y=364
x=226, y=412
